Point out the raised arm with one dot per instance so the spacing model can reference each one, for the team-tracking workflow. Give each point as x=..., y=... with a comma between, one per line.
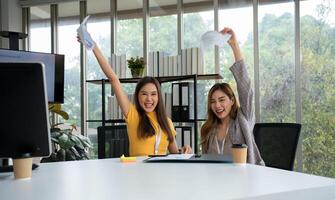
x=106, y=68
x=122, y=99
x=243, y=82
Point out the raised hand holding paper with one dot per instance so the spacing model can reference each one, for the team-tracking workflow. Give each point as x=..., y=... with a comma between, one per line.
x=211, y=38
x=84, y=36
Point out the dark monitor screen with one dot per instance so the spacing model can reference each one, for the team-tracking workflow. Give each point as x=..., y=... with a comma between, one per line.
x=54, y=69
x=24, y=114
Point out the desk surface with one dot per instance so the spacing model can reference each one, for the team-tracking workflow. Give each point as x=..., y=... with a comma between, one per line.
x=110, y=179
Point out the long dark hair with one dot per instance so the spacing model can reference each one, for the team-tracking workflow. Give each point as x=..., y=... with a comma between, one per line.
x=145, y=127
x=212, y=120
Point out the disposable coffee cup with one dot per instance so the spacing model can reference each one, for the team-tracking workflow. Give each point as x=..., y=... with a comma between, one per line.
x=22, y=167
x=240, y=153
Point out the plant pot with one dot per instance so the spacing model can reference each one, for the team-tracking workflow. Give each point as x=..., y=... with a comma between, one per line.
x=137, y=73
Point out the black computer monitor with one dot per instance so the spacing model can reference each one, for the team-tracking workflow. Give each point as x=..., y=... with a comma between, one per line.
x=24, y=123
x=54, y=69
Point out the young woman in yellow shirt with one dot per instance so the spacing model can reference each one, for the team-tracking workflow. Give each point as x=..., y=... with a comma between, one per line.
x=150, y=131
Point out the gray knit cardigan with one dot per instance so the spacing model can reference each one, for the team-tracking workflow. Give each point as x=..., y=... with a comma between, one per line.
x=241, y=129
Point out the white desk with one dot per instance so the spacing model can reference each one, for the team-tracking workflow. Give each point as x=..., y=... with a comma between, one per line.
x=110, y=179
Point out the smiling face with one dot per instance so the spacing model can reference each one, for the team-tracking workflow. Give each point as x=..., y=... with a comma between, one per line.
x=221, y=104
x=148, y=97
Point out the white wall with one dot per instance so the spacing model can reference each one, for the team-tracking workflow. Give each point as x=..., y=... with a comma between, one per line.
x=11, y=18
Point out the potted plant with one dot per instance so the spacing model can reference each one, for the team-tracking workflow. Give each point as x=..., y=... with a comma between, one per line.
x=66, y=145
x=136, y=66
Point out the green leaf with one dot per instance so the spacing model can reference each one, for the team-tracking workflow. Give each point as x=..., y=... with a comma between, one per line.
x=57, y=108
x=65, y=142
x=55, y=140
x=55, y=134
x=85, y=141
x=77, y=141
x=136, y=63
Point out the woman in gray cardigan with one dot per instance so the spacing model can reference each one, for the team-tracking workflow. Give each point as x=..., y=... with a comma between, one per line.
x=228, y=122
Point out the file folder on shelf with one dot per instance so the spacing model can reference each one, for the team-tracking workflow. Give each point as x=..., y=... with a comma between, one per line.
x=185, y=103
x=184, y=136
x=182, y=101
x=175, y=102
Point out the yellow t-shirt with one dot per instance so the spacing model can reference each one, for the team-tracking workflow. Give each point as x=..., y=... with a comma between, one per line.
x=145, y=146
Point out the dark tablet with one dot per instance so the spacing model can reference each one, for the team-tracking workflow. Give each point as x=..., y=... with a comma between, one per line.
x=204, y=158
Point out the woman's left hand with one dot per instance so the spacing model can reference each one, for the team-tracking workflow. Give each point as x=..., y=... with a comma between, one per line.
x=233, y=43
x=232, y=40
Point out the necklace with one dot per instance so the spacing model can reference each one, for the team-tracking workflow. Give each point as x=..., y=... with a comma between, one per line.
x=219, y=147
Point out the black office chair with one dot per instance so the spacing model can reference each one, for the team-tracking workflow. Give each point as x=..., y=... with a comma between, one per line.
x=277, y=143
x=112, y=141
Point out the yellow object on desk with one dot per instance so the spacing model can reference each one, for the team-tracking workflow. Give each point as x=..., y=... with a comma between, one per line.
x=127, y=159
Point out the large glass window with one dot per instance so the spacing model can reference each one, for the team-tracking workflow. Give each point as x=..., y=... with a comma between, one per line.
x=68, y=22
x=129, y=36
x=276, y=62
x=239, y=17
x=40, y=29
x=318, y=86
x=99, y=27
x=196, y=24
x=198, y=18
x=276, y=57
x=163, y=36
x=163, y=27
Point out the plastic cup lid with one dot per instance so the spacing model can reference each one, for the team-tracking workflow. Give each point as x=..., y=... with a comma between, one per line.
x=239, y=146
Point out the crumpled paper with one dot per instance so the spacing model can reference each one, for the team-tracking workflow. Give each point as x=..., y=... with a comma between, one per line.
x=211, y=38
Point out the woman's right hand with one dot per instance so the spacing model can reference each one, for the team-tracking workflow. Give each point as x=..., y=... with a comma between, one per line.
x=78, y=39
x=232, y=40
x=84, y=37
x=186, y=149
x=92, y=44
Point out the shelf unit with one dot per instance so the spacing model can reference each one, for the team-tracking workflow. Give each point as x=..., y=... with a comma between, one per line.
x=163, y=79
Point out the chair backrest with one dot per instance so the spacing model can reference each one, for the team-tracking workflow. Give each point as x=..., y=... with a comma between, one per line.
x=112, y=141
x=277, y=143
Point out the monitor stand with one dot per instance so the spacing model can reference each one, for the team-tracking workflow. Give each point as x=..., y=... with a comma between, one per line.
x=13, y=38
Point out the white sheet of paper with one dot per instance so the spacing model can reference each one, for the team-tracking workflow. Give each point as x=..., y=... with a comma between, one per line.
x=84, y=35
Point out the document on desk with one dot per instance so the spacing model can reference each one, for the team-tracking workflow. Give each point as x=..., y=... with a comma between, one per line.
x=171, y=157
